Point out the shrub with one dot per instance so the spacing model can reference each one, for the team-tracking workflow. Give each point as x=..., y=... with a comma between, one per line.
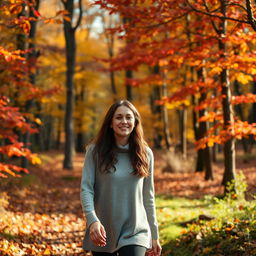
x=231, y=232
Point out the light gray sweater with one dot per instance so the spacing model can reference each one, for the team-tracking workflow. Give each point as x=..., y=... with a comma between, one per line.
x=121, y=201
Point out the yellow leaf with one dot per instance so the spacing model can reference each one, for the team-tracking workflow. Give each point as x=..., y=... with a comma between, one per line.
x=253, y=71
x=243, y=78
x=36, y=160
x=47, y=252
x=210, y=143
x=215, y=71
x=38, y=121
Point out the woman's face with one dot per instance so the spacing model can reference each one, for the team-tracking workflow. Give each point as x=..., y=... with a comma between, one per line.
x=123, y=122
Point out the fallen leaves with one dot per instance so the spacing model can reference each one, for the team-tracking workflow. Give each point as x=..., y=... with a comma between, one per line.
x=40, y=234
x=43, y=215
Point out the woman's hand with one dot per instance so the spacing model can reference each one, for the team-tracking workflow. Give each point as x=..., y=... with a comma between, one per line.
x=155, y=250
x=98, y=234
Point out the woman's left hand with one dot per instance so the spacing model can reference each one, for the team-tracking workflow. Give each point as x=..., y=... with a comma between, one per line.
x=155, y=250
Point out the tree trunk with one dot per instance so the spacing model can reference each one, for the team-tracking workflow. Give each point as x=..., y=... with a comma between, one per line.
x=21, y=45
x=48, y=132
x=38, y=144
x=128, y=74
x=165, y=118
x=239, y=111
x=113, y=85
x=58, y=135
x=69, y=129
x=110, y=38
x=32, y=57
x=80, y=97
x=200, y=152
x=203, y=128
x=70, y=41
x=80, y=141
x=156, y=110
x=252, y=116
x=182, y=128
x=229, y=145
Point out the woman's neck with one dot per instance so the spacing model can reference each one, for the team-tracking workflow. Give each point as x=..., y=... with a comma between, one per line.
x=121, y=141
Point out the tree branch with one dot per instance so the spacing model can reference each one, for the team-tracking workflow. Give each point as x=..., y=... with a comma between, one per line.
x=213, y=23
x=239, y=5
x=63, y=2
x=216, y=16
x=250, y=15
x=80, y=15
x=165, y=22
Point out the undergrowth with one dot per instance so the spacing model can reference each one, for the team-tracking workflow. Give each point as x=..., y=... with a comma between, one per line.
x=231, y=229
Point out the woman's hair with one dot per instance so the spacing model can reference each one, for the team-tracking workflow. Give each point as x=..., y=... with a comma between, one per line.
x=105, y=149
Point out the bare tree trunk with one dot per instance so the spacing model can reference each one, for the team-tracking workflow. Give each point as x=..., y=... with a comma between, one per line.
x=229, y=146
x=69, y=129
x=200, y=152
x=80, y=138
x=128, y=75
x=156, y=110
x=58, y=135
x=110, y=38
x=70, y=40
x=165, y=117
x=182, y=113
x=252, y=117
x=48, y=132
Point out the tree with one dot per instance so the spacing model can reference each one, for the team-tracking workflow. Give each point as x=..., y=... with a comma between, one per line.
x=31, y=59
x=146, y=34
x=221, y=30
x=69, y=32
x=110, y=41
x=13, y=80
x=17, y=87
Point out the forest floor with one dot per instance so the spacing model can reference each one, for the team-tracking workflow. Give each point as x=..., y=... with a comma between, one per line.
x=40, y=213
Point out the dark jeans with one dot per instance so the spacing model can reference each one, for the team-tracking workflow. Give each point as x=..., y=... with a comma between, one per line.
x=129, y=250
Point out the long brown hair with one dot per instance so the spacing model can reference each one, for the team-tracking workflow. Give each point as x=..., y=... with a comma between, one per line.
x=105, y=146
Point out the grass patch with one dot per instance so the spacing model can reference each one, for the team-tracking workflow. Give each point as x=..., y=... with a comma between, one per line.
x=231, y=231
x=48, y=158
x=172, y=213
x=25, y=180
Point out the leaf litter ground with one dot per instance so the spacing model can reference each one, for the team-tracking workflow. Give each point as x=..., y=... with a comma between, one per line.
x=40, y=213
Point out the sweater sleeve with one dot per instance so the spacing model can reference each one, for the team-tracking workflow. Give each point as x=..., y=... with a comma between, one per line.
x=87, y=187
x=149, y=197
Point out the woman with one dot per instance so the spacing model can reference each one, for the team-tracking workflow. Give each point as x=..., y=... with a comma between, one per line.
x=117, y=190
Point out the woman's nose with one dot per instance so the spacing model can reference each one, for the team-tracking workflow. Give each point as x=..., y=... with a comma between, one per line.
x=124, y=120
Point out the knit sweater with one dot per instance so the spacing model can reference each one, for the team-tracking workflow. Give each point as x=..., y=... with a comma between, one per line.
x=121, y=201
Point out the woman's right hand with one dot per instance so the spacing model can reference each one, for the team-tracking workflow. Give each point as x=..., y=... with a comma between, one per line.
x=98, y=234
